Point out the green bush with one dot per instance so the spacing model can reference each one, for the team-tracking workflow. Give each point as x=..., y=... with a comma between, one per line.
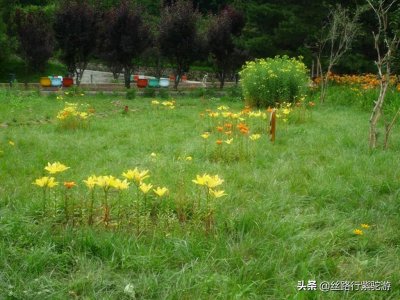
x=131, y=94
x=266, y=82
x=149, y=92
x=163, y=94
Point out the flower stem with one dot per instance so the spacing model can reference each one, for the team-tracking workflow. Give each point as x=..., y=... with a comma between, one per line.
x=106, y=208
x=90, y=220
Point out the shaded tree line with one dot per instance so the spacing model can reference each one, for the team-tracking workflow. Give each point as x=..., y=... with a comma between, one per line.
x=119, y=35
x=218, y=33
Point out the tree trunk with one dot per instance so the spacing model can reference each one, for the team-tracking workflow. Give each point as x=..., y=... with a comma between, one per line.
x=178, y=77
x=221, y=79
x=376, y=114
x=388, y=129
x=324, y=84
x=127, y=77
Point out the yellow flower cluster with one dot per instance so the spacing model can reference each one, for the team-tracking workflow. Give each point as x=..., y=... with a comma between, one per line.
x=359, y=231
x=50, y=182
x=71, y=110
x=73, y=116
x=136, y=176
x=168, y=104
x=211, y=182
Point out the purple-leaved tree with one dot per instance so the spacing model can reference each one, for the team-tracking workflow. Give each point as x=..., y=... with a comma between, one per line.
x=75, y=27
x=35, y=39
x=220, y=39
x=123, y=37
x=179, y=39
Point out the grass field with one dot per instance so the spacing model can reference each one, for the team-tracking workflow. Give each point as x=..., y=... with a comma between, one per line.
x=289, y=214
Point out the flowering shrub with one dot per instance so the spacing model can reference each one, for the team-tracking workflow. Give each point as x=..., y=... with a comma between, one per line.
x=273, y=80
x=72, y=116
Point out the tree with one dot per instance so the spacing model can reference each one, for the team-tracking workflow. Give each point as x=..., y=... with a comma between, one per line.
x=386, y=43
x=178, y=38
x=75, y=29
x=35, y=39
x=220, y=38
x=336, y=39
x=124, y=37
x=4, y=47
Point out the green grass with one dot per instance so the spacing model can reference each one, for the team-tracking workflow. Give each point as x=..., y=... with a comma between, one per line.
x=289, y=215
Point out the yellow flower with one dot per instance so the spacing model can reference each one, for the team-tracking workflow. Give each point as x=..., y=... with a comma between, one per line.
x=155, y=102
x=229, y=141
x=42, y=182
x=223, y=107
x=51, y=182
x=11, y=143
x=201, y=180
x=160, y=191
x=145, y=188
x=205, y=135
x=121, y=184
x=45, y=182
x=213, y=114
x=168, y=103
x=153, y=155
x=255, y=137
x=83, y=115
x=55, y=167
x=207, y=180
x=106, y=182
x=91, y=182
x=213, y=181
x=365, y=226
x=286, y=111
x=217, y=194
x=188, y=158
x=136, y=175
x=357, y=232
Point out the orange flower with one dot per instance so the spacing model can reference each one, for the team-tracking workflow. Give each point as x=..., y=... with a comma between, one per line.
x=228, y=125
x=244, y=131
x=69, y=184
x=311, y=103
x=269, y=109
x=242, y=126
x=246, y=110
x=220, y=128
x=219, y=142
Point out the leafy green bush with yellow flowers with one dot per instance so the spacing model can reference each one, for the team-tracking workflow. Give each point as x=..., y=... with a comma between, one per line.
x=266, y=82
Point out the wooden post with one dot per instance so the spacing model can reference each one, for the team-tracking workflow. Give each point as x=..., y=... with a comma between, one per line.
x=272, y=125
